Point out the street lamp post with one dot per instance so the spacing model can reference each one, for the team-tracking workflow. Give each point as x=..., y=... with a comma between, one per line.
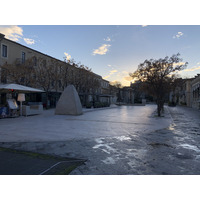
x=21, y=98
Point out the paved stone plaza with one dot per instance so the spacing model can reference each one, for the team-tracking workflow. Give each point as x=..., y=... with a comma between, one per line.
x=119, y=140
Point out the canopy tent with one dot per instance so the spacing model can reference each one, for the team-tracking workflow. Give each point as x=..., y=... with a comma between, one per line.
x=6, y=88
x=16, y=88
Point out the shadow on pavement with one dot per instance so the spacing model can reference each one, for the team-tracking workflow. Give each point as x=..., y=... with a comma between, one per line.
x=15, y=162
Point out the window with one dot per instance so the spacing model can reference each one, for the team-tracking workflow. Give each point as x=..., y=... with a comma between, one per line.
x=34, y=61
x=23, y=57
x=4, y=51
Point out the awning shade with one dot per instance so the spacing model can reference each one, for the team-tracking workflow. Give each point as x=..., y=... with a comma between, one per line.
x=5, y=88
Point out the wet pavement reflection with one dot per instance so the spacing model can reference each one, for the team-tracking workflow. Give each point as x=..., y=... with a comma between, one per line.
x=170, y=151
x=174, y=150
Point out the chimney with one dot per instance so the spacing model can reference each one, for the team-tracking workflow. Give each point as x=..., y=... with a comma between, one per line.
x=2, y=36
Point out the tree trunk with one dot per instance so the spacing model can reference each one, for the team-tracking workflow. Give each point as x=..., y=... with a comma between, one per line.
x=47, y=95
x=159, y=107
x=162, y=106
x=158, y=110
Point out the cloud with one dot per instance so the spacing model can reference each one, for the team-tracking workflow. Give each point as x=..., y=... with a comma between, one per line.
x=109, y=66
x=144, y=25
x=12, y=32
x=125, y=72
x=105, y=77
x=128, y=78
x=68, y=57
x=179, y=63
x=113, y=82
x=178, y=35
x=192, y=69
x=111, y=73
x=15, y=33
x=102, y=50
x=29, y=41
x=107, y=39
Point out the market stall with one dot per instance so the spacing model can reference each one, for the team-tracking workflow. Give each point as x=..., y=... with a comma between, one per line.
x=10, y=107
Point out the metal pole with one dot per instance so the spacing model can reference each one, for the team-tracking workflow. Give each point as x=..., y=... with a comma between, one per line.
x=20, y=108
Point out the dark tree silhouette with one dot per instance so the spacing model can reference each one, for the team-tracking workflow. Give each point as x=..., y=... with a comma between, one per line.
x=158, y=76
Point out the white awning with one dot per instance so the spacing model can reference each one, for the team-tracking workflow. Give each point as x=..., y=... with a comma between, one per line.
x=5, y=88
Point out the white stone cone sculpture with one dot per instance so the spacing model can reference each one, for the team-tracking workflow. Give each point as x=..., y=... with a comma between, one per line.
x=69, y=102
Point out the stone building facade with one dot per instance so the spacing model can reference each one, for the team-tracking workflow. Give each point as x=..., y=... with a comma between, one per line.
x=188, y=93
x=88, y=84
x=195, y=92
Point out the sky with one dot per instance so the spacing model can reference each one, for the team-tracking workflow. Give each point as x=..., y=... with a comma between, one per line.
x=112, y=51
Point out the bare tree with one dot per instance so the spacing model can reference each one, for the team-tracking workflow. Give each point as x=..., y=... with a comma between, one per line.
x=158, y=75
x=19, y=73
x=47, y=75
x=52, y=75
x=64, y=75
